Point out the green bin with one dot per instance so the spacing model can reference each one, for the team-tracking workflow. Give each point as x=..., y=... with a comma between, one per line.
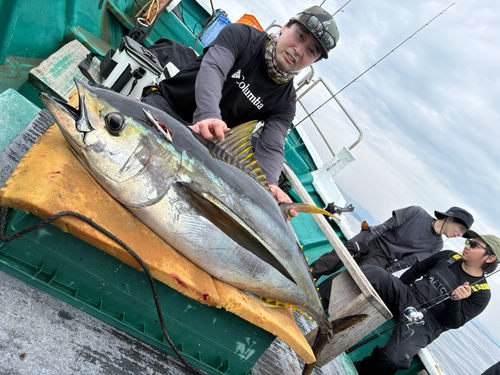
x=70, y=269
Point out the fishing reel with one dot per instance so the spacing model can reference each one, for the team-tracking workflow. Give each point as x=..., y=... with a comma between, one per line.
x=412, y=317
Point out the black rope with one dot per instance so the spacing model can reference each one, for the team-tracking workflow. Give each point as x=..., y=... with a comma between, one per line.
x=3, y=226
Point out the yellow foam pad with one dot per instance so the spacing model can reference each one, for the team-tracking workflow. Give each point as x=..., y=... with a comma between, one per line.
x=50, y=179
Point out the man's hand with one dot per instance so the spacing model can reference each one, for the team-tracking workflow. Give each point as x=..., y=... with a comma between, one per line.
x=463, y=291
x=355, y=248
x=281, y=197
x=209, y=128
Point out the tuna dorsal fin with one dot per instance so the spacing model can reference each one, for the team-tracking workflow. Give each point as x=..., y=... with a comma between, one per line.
x=236, y=149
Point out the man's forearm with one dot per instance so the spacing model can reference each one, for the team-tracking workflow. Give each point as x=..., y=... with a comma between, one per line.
x=214, y=68
x=378, y=230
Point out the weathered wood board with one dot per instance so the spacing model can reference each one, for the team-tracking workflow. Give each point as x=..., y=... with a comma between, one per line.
x=351, y=293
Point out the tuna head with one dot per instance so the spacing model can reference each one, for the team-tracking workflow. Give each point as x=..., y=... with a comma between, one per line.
x=128, y=158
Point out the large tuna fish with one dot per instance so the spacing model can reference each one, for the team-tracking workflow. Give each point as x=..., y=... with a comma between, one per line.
x=212, y=212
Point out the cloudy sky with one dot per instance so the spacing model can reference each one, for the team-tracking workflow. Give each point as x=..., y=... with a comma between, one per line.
x=430, y=111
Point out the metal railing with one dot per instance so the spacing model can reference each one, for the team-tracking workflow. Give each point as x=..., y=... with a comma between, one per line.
x=306, y=81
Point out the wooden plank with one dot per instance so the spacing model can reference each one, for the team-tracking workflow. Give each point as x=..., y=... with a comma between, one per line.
x=351, y=292
x=347, y=299
x=346, y=258
x=55, y=74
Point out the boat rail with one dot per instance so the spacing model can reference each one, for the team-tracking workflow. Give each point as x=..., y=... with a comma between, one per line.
x=308, y=80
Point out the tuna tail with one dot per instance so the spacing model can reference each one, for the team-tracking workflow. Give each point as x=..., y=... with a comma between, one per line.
x=323, y=336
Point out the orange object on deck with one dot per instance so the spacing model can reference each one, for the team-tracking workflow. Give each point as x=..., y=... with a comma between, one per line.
x=248, y=19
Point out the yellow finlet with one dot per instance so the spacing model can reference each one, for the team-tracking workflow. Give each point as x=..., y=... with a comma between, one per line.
x=269, y=302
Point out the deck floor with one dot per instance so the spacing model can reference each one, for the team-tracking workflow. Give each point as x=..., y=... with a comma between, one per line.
x=42, y=335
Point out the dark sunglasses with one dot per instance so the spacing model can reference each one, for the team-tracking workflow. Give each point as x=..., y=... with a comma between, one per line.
x=315, y=25
x=474, y=244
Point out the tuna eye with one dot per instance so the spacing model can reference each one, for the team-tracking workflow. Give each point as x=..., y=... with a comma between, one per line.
x=114, y=122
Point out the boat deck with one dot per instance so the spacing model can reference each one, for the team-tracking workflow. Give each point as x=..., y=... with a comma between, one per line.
x=40, y=334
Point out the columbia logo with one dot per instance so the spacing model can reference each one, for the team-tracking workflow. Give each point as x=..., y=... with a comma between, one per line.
x=238, y=75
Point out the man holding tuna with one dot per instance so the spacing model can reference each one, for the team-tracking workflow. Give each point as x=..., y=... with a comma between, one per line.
x=245, y=75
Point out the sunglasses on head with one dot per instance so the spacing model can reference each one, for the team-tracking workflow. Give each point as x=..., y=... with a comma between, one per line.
x=315, y=25
x=474, y=244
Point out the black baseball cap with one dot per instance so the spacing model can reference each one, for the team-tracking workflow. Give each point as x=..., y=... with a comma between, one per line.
x=456, y=213
x=322, y=25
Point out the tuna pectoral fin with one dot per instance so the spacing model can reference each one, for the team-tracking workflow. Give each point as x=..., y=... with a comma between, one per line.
x=232, y=227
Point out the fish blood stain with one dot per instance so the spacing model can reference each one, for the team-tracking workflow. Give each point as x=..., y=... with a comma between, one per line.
x=178, y=279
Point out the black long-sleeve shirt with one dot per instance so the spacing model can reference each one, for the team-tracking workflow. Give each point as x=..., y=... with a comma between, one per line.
x=230, y=82
x=407, y=232
x=443, y=273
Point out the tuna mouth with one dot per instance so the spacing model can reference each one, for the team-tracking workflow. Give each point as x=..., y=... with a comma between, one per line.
x=73, y=122
x=68, y=119
x=53, y=103
x=65, y=115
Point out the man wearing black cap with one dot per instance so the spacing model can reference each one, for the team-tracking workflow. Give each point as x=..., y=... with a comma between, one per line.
x=246, y=75
x=410, y=235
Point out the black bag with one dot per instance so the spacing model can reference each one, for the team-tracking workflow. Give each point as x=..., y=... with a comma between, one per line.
x=170, y=51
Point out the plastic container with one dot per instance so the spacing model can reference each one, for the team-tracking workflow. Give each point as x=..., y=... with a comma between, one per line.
x=250, y=20
x=211, y=32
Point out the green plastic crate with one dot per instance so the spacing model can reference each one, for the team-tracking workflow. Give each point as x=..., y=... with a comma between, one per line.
x=60, y=264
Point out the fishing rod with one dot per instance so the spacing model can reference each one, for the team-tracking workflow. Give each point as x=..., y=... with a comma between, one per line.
x=411, y=317
x=372, y=66
x=342, y=7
